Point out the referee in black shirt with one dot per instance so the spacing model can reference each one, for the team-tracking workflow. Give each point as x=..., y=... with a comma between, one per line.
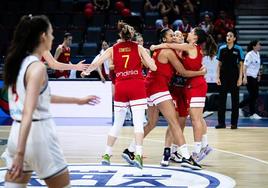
x=229, y=78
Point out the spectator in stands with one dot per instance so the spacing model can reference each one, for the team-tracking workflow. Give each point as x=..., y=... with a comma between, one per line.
x=151, y=5
x=101, y=5
x=229, y=78
x=252, y=77
x=162, y=23
x=206, y=24
x=63, y=54
x=188, y=10
x=222, y=25
x=170, y=9
x=185, y=27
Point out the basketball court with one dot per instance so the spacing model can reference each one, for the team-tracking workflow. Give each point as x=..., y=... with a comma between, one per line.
x=239, y=159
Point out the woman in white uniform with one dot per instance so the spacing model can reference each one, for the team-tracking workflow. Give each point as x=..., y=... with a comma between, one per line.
x=32, y=143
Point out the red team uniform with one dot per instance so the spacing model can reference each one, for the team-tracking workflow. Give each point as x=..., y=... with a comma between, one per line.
x=129, y=81
x=196, y=87
x=157, y=82
x=64, y=58
x=178, y=94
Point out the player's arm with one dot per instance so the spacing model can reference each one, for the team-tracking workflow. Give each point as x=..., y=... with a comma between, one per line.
x=90, y=99
x=54, y=64
x=175, y=46
x=58, y=52
x=172, y=58
x=147, y=60
x=107, y=54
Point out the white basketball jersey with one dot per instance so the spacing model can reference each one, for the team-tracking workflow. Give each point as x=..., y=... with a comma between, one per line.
x=16, y=95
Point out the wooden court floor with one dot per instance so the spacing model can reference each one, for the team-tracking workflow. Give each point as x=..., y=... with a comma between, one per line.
x=240, y=154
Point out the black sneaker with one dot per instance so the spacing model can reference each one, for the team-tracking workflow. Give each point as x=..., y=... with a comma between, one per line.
x=190, y=163
x=166, y=157
x=176, y=157
x=220, y=126
x=128, y=156
x=233, y=126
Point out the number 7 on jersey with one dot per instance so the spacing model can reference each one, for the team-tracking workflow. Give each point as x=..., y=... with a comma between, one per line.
x=126, y=61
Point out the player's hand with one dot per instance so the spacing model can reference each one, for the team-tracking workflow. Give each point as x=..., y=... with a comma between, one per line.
x=90, y=99
x=111, y=66
x=153, y=47
x=17, y=167
x=80, y=66
x=83, y=74
x=204, y=70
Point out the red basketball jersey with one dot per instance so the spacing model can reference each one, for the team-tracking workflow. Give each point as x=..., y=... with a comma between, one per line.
x=194, y=64
x=64, y=58
x=127, y=61
x=163, y=69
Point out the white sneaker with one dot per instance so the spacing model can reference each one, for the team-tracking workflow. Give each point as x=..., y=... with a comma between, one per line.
x=165, y=161
x=255, y=116
x=207, y=113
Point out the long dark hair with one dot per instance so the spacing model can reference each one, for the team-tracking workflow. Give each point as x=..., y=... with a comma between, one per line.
x=25, y=40
x=252, y=44
x=207, y=41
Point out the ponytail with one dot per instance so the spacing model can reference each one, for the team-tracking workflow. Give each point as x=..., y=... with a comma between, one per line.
x=26, y=39
x=210, y=46
x=17, y=51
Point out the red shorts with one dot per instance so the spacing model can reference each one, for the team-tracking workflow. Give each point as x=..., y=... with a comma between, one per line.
x=196, y=95
x=179, y=98
x=130, y=93
x=112, y=76
x=157, y=89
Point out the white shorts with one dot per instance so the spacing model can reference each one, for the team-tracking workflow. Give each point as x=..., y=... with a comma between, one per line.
x=159, y=97
x=43, y=153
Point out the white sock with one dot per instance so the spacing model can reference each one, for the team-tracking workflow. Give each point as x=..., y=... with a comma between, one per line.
x=174, y=148
x=15, y=185
x=204, y=140
x=138, y=150
x=197, y=147
x=184, y=151
x=132, y=146
x=108, y=150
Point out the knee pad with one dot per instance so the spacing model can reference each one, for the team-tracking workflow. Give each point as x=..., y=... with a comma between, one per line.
x=119, y=119
x=15, y=185
x=115, y=131
x=138, y=117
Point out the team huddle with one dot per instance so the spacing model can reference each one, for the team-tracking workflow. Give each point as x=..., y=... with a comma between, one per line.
x=158, y=91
